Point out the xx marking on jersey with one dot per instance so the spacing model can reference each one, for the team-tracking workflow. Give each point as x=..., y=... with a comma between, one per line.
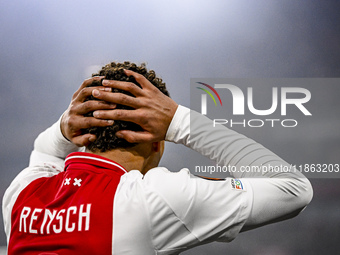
x=67, y=181
x=77, y=182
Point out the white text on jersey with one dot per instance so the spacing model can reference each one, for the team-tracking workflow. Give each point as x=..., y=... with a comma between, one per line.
x=54, y=221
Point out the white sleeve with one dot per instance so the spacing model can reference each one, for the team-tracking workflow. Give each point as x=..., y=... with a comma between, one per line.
x=51, y=147
x=282, y=194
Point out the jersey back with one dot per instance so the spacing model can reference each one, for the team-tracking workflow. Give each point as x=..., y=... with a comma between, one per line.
x=69, y=213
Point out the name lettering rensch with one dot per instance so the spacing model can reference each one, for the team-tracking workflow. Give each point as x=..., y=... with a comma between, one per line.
x=55, y=221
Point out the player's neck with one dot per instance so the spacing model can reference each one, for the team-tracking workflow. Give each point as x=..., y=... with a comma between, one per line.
x=129, y=158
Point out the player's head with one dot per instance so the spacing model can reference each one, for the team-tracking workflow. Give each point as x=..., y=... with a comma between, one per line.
x=106, y=136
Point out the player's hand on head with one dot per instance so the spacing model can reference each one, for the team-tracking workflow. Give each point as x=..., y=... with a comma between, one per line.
x=73, y=120
x=153, y=110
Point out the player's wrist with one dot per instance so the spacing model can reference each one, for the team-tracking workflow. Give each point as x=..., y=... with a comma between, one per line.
x=63, y=127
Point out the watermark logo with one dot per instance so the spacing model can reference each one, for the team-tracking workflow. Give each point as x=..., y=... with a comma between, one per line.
x=239, y=99
x=204, y=97
x=292, y=116
x=279, y=100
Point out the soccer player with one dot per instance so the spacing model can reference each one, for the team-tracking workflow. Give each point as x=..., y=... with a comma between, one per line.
x=114, y=199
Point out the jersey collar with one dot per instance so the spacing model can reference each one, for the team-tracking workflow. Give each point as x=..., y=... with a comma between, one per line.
x=93, y=159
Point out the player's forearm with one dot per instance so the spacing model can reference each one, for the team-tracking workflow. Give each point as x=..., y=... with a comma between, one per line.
x=282, y=193
x=225, y=146
x=273, y=179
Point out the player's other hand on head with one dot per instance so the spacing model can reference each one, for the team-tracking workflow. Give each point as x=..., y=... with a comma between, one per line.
x=74, y=119
x=152, y=110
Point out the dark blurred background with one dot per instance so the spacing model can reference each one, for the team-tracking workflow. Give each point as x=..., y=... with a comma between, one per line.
x=47, y=48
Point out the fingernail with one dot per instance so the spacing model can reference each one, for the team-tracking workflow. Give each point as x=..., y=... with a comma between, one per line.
x=95, y=92
x=95, y=114
x=105, y=82
x=119, y=135
x=92, y=138
x=110, y=122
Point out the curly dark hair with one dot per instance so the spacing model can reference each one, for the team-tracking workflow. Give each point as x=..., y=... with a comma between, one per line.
x=106, y=136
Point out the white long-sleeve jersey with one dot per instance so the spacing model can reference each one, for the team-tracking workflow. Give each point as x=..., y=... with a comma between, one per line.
x=88, y=204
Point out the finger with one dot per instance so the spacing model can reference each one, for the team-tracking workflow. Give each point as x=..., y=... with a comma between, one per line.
x=145, y=83
x=87, y=122
x=123, y=85
x=117, y=98
x=118, y=114
x=86, y=83
x=93, y=105
x=136, y=136
x=84, y=140
x=86, y=92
